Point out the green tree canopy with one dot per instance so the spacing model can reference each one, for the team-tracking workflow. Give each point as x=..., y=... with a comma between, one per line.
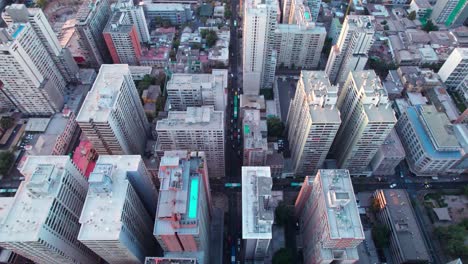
x=275, y=127
x=381, y=234
x=211, y=38
x=412, y=15
x=282, y=214
x=6, y=161
x=7, y=122
x=283, y=256
x=227, y=13
x=429, y=26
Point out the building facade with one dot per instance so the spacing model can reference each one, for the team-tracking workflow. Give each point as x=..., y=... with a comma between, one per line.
x=367, y=120
x=329, y=218
x=455, y=68
x=114, y=222
x=259, y=56
x=42, y=224
x=197, y=129
x=121, y=37
x=175, y=13
x=257, y=212
x=450, y=12
x=196, y=90
x=313, y=121
x=91, y=20
x=389, y=155
x=183, y=225
x=136, y=16
x=254, y=131
x=112, y=116
x=350, y=52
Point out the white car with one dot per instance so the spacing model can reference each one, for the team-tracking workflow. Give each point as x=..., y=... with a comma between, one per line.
x=393, y=185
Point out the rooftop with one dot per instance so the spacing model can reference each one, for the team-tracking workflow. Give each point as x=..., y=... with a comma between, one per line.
x=257, y=207
x=103, y=208
x=34, y=197
x=404, y=224
x=392, y=146
x=254, y=134
x=342, y=212
x=102, y=97
x=364, y=22
x=37, y=124
x=195, y=118
x=118, y=23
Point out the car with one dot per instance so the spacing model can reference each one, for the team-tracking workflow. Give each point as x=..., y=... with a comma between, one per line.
x=232, y=75
x=401, y=175
x=232, y=137
x=238, y=130
x=427, y=186
x=393, y=185
x=232, y=121
x=238, y=242
x=235, y=92
x=238, y=136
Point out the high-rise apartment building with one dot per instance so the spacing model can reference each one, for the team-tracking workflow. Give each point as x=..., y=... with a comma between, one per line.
x=335, y=30
x=350, y=52
x=313, y=121
x=197, y=129
x=314, y=6
x=91, y=20
x=430, y=144
x=367, y=119
x=114, y=222
x=389, y=155
x=329, y=218
x=406, y=240
x=257, y=212
x=122, y=40
x=184, y=205
x=254, y=132
x=112, y=116
x=136, y=16
x=455, y=68
x=43, y=221
x=259, y=57
x=195, y=90
x=450, y=12
x=30, y=78
x=19, y=13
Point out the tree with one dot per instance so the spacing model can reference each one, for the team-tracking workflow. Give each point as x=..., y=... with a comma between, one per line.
x=211, y=38
x=175, y=44
x=327, y=45
x=203, y=33
x=282, y=214
x=384, y=22
x=6, y=161
x=429, y=26
x=380, y=234
x=227, y=13
x=386, y=27
x=7, y=122
x=267, y=93
x=283, y=256
x=275, y=127
x=412, y=15
x=465, y=192
x=41, y=3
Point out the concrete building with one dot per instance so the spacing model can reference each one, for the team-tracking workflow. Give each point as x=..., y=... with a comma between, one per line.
x=112, y=116
x=176, y=13
x=416, y=80
x=450, y=12
x=313, y=121
x=197, y=129
x=195, y=90
x=422, y=8
x=169, y=260
x=30, y=78
x=19, y=13
x=406, y=241
x=91, y=20
x=42, y=223
x=115, y=224
x=136, y=15
x=350, y=52
x=389, y=155
x=257, y=212
x=259, y=56
x=429, y=140
x=314, y=6
x=334, y=31
x=367, y=120
x=184, y=207
x=254, y=131
x=122, y=40
x=455, y=68
x=329, y=218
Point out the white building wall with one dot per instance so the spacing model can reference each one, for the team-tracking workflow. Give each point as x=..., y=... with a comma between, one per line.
x=455, y=68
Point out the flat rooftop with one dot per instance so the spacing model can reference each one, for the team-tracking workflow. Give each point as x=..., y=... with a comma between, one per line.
x=342, y=212
x=404, y=224
x=252, y=130
x=392, y=146
x=195, y=118
x=439, y=127
x=102, y=97
x=34, y=198
x=257, y=206
x=103, y=207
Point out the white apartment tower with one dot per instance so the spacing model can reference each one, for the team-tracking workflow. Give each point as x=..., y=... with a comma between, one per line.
x=19, y=13
x=313, y=121
x=257, y=212
x=42, y=223
x=30, y=78
x=114, y=222
x=197, y=129
x=350, y=52
x=259, y=57
x=195, y=90
x=136, y=16
x=255, y=138
x=455, y=68
x=91, y=20
x=367, y=119
x=112, y=116
x=329, y=218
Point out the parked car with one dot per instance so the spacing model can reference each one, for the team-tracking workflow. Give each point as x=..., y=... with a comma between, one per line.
x=393, y=185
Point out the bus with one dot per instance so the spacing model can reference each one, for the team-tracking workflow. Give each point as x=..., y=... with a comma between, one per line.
x=235, y=106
